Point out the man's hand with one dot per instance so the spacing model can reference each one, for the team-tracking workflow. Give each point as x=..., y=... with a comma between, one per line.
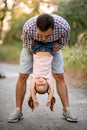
x=36, y=103
x=56, y=47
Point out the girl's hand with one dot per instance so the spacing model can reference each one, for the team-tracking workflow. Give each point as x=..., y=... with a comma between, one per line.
x=48, y=104
x=36, y=103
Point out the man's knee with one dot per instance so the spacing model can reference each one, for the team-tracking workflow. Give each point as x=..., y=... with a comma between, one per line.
x=23, y=77
x=59, y=77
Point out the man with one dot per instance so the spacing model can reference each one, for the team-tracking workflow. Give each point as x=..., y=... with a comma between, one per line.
x=44, y=28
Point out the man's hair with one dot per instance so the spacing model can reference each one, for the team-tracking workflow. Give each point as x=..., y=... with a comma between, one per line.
x=44, y=22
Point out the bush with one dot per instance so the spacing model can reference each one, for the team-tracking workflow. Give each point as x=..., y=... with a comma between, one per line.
x=76, y=58
x=75, y=12
x=10, y=53
x=14, y=34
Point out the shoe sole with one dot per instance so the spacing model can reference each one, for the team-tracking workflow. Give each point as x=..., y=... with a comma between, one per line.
x=14, y=121
x=70, y=120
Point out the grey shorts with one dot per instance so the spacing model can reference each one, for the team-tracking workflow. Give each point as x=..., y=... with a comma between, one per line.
x=26, y=62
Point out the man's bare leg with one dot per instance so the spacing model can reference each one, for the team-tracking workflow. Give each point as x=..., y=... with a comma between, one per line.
x=62, y=90
x=63, y=93
x=20, y=93
x=21, y=89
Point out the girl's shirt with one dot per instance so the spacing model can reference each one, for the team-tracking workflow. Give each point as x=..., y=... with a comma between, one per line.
x=42, y=67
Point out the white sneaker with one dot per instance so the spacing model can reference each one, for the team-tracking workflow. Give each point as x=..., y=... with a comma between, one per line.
x=15, y=117
x=68, y=116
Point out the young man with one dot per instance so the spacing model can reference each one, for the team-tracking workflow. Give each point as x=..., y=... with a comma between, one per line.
x=43, y=28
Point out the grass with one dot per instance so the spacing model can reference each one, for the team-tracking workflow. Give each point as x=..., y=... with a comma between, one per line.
x=10, y=53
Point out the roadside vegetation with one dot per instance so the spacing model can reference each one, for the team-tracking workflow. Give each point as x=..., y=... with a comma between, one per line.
x=10, y=53
x=75, y=58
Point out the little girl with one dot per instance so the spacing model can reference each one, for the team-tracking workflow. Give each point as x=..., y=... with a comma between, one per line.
x=41, y=81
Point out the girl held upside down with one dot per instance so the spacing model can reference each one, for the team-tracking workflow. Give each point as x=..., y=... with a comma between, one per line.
x=41, y=81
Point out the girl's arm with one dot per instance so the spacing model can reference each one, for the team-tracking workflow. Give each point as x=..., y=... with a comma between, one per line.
x=32, y=91
x=50, y=95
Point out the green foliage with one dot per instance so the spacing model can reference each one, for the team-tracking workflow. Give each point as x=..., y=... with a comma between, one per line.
x=35, y=5
x=17, y=21
x=3, y=11
x=10, y=53
x=14, y=34
x=75, y=12
x=76, y=58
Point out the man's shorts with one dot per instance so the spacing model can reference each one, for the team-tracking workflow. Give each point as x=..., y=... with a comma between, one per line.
x=26, y=62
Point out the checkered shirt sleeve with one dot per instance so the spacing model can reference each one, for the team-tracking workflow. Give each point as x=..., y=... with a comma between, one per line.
x=65, y=37
x=62, y=28
x=26, y=37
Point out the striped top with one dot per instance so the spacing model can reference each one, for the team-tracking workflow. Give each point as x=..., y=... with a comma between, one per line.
x=61, y=31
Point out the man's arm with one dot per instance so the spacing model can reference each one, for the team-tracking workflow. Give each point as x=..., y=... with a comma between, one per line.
x=26, y=36
x=63, y=40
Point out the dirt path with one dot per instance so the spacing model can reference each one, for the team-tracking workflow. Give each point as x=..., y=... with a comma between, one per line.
x=41, y=118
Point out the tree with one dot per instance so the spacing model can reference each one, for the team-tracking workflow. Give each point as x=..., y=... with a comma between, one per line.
x=75, y=12
x=18, y=17
x=3, y=11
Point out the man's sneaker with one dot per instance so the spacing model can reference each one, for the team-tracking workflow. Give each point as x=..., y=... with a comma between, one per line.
x=16, y=116
x=67, y=115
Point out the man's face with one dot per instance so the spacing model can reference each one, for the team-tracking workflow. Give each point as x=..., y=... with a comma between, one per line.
x=45, y=34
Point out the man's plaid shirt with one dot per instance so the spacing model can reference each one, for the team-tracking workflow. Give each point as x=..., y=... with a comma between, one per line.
x=61, y=31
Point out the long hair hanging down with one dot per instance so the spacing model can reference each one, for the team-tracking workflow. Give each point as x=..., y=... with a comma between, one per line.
x=31, y=103
x=53, y=101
